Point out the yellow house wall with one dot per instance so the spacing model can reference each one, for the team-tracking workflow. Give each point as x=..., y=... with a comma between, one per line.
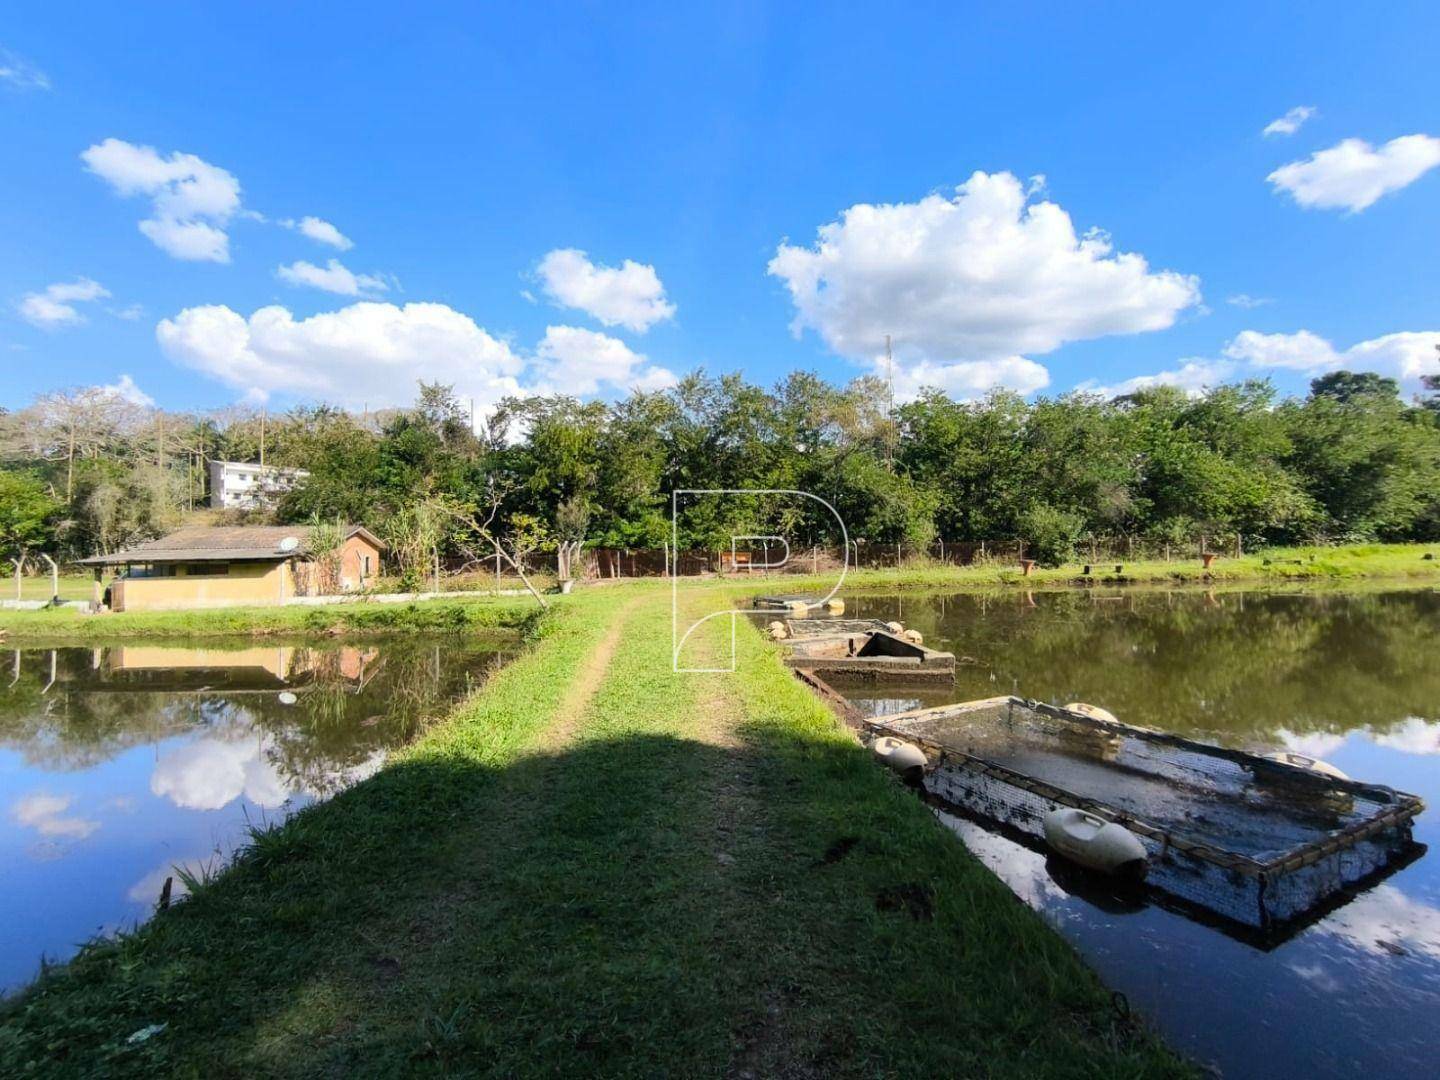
x=246, y=583
x=276, y=660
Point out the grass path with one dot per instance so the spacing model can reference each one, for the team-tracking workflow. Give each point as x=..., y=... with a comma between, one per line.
x=597, y=868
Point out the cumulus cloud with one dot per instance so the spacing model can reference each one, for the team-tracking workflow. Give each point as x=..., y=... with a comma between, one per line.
x=127, y=391
x=1193, y=376
x=322, y=232
x=192, y=201
x=1405, y=356
x=55, y=306
x=631, y=295
x=1290, y=122
x=17, y=72
x=46, y=815
x=1387, y=916
x=210, y=773
x=333, y=277
x=981, y=278
x=1352, y=174
x=1414, y=736
x=965, y=379
x=572, y=360
x=367, y=353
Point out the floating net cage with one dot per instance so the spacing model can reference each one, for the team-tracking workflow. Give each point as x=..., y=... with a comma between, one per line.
x=1252, y=840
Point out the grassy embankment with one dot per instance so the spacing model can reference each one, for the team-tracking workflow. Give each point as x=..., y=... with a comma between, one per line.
x=473, y=615
x=597, y=867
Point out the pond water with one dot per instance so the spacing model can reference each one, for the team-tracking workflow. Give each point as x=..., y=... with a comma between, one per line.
x=1350, y=678
x=119, y=765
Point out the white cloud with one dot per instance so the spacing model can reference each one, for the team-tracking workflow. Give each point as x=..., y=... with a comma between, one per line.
x=1352, y=174
x=367, y=353
x=55, y=306
x=966, y=379
x=1318, y=744
x=192, y=200
x=46, y=815
x=572, y=360
x=1193, y=376
x=127, y=391
x=1405, y=356
x=1387, y=915
x=130, y=312
x=1246, y=301
x=322, y=232
x=211, y=772
x=631, y=296
x=985, y=277
x=18, y=72
x=333, y=277
x=1414, y=736
x=1290, y=122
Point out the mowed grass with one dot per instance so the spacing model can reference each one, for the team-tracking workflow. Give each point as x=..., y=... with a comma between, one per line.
x=1274, y=566
x=38, y=586
x=67, y=624
x=600, y=870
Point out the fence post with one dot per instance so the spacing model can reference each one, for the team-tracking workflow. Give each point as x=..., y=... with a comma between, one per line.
x=54, y=577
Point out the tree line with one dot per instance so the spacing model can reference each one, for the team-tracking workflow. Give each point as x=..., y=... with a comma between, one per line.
x=85, y=471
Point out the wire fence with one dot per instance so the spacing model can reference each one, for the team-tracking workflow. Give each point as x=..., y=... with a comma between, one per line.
x=605, y=563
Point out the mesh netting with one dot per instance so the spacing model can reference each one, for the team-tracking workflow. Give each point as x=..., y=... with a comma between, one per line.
x=1253, y=840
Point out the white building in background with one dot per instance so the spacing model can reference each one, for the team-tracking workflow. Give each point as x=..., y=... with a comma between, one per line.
x=243, y=485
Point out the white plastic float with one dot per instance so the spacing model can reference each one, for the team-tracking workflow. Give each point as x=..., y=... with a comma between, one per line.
x=1094, y=842
x=895, y=628
x=835, y=606
x=898, y=754
x=1095, y=712
x=777, y=630
x=1310, y=764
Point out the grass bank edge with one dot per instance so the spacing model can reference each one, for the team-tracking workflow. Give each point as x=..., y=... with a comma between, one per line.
x=1019, y=976
x=508, y=614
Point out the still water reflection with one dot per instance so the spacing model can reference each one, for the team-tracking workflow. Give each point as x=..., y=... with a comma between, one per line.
x=1354, y=679
x=119, y=765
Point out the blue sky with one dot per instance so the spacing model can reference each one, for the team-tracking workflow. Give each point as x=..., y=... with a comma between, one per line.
x=454, y=150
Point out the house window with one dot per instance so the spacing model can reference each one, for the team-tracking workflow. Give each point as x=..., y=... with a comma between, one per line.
x=207, y=569
x=365, y=565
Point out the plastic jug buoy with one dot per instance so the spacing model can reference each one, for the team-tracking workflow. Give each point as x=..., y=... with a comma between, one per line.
x=835, y=607
x=797, y=607
x=1095, y=712
x=898, y=754
x=777, y=630
x=287, y=697
x=914, y=637
x=1310, y=764
x=895, y=627
x=1094, y=842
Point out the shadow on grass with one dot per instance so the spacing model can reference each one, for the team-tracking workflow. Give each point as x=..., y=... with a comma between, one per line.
x=650, y=906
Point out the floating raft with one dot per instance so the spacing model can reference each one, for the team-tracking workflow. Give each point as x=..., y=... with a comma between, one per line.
x=1256, y=841
x=813, y=628
x=869, y=654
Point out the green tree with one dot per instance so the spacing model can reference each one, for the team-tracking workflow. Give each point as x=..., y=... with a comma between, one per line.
x=28, y=514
